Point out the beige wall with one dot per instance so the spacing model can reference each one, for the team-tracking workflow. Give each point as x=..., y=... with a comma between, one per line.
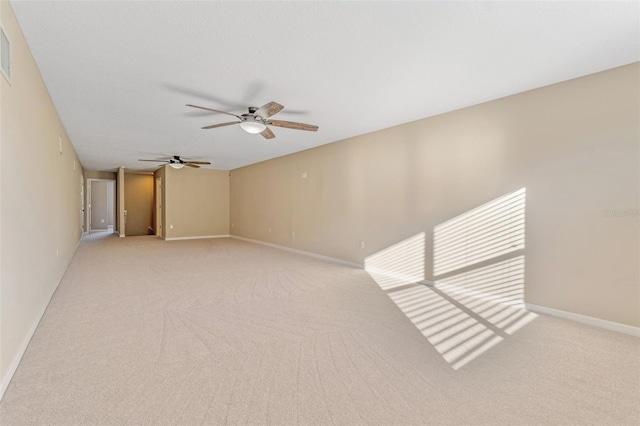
x=196, y=202
x=90, y=174
x=574, y=146
x=138, y=202
x=41, y=200
x=111, y=203
x=6, y=371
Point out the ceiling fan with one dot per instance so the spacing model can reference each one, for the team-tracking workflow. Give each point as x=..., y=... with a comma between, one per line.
x=257, y=119
x=177, y=163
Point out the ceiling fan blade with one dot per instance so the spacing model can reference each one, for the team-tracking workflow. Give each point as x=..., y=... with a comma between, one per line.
x=267, y=133
x=214, y=110
x=157, y=161
x=187, y=91
x=293, y=125
x=198, y=162
x=267, y=110
x=213, y=126
x=195, y=166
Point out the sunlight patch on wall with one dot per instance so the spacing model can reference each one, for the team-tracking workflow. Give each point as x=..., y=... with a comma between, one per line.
x=401, y=263
x=501, y=282
x=491, y=230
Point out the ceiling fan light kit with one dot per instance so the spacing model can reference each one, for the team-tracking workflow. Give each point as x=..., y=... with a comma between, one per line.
x=257, y=120
x=253, y=127
x=176, y=165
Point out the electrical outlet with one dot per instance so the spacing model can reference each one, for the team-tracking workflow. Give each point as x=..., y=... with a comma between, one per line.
x=57, y=253
x=293, y=234
x=303, y=175
x=102, y=221
x=233, y=225
x=269, y=229
x=171, y=226
x=361, y=244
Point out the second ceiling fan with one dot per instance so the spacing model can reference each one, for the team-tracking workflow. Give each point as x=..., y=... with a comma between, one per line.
x=257, y=119
x=177, y=163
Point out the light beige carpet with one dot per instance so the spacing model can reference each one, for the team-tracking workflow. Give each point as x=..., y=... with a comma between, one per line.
x=220, y=331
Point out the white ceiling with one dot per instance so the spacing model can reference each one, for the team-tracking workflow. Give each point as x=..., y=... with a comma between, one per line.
x=120, y=73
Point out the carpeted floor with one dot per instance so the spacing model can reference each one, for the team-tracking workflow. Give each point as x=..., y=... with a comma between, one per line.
x=221, y=331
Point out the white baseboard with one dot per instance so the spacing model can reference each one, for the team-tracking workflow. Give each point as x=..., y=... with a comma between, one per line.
x=302, y=252
x=595, y=322
x=4, y=384
x=201, y=237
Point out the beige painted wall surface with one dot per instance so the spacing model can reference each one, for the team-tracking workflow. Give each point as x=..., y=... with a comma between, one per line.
x=90, y=174
x=574, y=146
x=99, y=206
x=4, y=373
x=111, y=203
x=41, y=200
x=138, y=202
x=196, y=202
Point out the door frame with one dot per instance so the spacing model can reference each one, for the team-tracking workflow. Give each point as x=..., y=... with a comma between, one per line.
x=88, y=204
x=82, y=206
x=158, y=207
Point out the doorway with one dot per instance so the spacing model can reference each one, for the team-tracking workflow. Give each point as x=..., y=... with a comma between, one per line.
x=158, y=196
x=82, y=230
x=138, y=204
x=101, y=206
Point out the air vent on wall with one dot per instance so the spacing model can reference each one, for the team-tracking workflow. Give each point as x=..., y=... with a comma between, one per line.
x=5, y=53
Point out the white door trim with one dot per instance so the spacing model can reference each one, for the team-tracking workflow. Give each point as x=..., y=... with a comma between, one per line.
x=88, y=205
x=158, y=207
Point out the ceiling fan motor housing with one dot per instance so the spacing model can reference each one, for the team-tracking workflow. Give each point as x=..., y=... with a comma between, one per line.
x=252, y=117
